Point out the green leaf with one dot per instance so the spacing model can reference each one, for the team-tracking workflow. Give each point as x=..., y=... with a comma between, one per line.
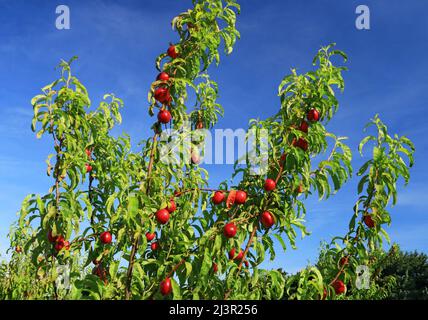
x=363, y=142
x=362, y=182
x=176, y=292
x=188, y=266
x=206, y=263
x=281, y=241
x=132, y=206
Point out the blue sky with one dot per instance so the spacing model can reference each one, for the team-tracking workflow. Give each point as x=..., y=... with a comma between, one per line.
x=117, y=44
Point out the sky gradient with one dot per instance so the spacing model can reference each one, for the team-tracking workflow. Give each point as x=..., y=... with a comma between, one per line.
x=117, y=44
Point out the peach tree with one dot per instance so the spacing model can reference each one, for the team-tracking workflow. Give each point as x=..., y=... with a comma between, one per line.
x=130, y=225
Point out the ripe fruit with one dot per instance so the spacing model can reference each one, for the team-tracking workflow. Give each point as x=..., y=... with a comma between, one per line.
x=163, y=76
x=166, y=287
x=301, y=143
x=232, y=253
x=172, y=52
x=150, y=236
x=368, y=220
x=241, y=197
x=88, y=153
x=218, y=197
x=101, y=273
x=247, y=264
x=162, y=216
x=267, y=219
x=304, y=127
x=233, y=256
x=283, y=157
x=199, y=125
x=168, y=99
x=215, y=267
x=324, y=296
x=59, y=245
x=339, y=287
x=88, y=168
x=172, y=206
x=164, y=116
x=299, y=189
x=106, y=237
x=67, y=245
x=270, y=185
x=154, y=246
x=343, y=261
x=313, y=115
x=59, y=239
x=229, y=230
x=162, y=95
x=98, y=271
x=195, y=157
x=51, y=238
x=231, y=197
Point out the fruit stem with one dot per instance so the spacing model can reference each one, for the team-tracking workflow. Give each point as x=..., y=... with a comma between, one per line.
x=131, y=269
x=152, y=156
x=83, y=239
x=170, y=274
x=281, y=170
x=339, y=273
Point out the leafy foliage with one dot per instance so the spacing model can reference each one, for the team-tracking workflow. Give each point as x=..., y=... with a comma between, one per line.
x=410, y=272
x=101, y=185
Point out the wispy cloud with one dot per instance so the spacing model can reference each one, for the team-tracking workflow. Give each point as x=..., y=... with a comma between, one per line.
x=14, y=120
x=416, y=197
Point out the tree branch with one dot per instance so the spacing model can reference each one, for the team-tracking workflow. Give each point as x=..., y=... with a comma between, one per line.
x=247, y=248
x=136, y=240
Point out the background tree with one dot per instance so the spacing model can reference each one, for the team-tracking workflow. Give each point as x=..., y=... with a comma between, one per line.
x=410, y=270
